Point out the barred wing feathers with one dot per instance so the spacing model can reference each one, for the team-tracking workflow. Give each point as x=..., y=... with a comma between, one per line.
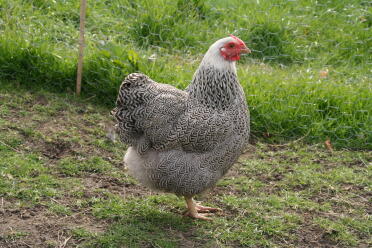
x=200, y=130
x=154, y=115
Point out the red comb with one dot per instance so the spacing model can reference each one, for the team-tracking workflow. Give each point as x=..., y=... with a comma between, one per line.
x=237, y=39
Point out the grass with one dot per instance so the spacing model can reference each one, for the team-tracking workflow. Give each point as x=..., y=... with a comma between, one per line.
x=308, y=76
x=62, y=179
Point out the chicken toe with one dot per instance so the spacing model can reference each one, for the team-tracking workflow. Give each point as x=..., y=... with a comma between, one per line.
x=196, y=215
x=197, y=211
x=203, y=209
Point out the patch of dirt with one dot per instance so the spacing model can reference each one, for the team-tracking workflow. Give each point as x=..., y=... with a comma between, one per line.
x=37, y=227
x=56, y=149
x=249, y=152
x=314, y=236
x=271, y=178
x=41, y=100
x=59, y=131
x=188, y=239
x=54, y=125
x=234, y=172
x=114, y=185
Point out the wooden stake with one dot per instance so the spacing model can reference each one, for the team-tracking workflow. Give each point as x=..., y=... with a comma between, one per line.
x=83, y=5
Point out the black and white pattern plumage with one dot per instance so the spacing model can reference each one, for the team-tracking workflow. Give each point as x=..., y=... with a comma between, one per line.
x=184, y=141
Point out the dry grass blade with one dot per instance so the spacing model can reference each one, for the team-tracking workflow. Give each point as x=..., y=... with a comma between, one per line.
x=5, y=144
x=63, y=245
x=2, y=205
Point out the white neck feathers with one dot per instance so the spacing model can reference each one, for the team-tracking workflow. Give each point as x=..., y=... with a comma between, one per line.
x=214, y=58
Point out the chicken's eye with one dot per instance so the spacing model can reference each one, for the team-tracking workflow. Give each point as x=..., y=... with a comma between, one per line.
x=232, y=45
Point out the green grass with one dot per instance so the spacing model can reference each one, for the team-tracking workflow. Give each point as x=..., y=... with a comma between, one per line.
x=61, y=178
x=292, y=42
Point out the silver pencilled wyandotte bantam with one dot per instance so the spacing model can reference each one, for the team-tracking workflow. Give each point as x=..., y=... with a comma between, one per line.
x=184, y=141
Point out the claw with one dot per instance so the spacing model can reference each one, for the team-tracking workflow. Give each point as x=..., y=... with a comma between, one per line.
x=198, y=215
x=197, y=211
x=202, y=209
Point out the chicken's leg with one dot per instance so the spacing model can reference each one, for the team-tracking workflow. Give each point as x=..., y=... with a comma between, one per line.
x=194, y=210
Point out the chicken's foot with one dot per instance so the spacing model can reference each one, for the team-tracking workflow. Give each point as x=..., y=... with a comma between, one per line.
x=197, y=211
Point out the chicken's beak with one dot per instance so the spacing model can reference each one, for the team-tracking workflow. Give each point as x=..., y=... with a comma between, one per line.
x=245, y=50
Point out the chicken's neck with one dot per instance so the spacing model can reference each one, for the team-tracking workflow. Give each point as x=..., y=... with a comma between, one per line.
x=214, y=87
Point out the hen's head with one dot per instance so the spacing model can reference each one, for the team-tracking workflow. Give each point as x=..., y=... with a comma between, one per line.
x=225, y=51
x=231, y=48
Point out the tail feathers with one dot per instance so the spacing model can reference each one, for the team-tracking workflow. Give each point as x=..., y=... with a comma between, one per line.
x=146, y=111
x=135, y=79
x=133, y=90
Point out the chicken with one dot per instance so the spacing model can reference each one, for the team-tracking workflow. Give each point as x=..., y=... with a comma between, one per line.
x=183, y=142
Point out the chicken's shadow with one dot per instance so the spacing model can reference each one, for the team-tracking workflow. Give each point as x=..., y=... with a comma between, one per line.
x=160, y=217
x=151, y=227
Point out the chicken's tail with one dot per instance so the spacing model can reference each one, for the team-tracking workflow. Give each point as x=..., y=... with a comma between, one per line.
x=133, y=94
x=133, y=91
